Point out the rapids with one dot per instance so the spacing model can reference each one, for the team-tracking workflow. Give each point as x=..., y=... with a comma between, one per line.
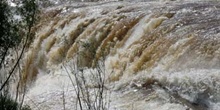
x=156, y=55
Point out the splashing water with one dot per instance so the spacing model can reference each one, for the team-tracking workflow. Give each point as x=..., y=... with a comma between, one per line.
x=158, y=54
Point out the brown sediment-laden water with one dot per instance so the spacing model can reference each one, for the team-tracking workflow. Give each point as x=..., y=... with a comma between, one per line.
x=156, y=55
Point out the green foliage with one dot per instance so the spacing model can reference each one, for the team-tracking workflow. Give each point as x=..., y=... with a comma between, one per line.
x=8, y=27
x=9, y=33
x=12, y=30
x=28, y=11
x=6, y=103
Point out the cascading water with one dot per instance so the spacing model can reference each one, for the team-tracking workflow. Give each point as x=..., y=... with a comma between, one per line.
x=157, y=55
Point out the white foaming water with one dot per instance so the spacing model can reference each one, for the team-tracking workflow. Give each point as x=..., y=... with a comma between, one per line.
x=158, y=56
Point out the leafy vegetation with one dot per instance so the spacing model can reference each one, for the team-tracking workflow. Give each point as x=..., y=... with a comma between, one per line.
x=8, y=30
x=16, y=25
x=6, y=103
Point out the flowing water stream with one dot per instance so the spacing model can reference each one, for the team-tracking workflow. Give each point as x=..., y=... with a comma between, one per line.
x=156, y=55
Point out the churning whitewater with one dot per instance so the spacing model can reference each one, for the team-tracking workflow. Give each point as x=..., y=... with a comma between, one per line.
x=152, y=55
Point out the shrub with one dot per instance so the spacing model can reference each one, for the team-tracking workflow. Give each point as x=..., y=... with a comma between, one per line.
x=6, y=103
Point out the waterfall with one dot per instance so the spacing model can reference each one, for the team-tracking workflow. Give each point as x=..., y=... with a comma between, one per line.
x=154, y=54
